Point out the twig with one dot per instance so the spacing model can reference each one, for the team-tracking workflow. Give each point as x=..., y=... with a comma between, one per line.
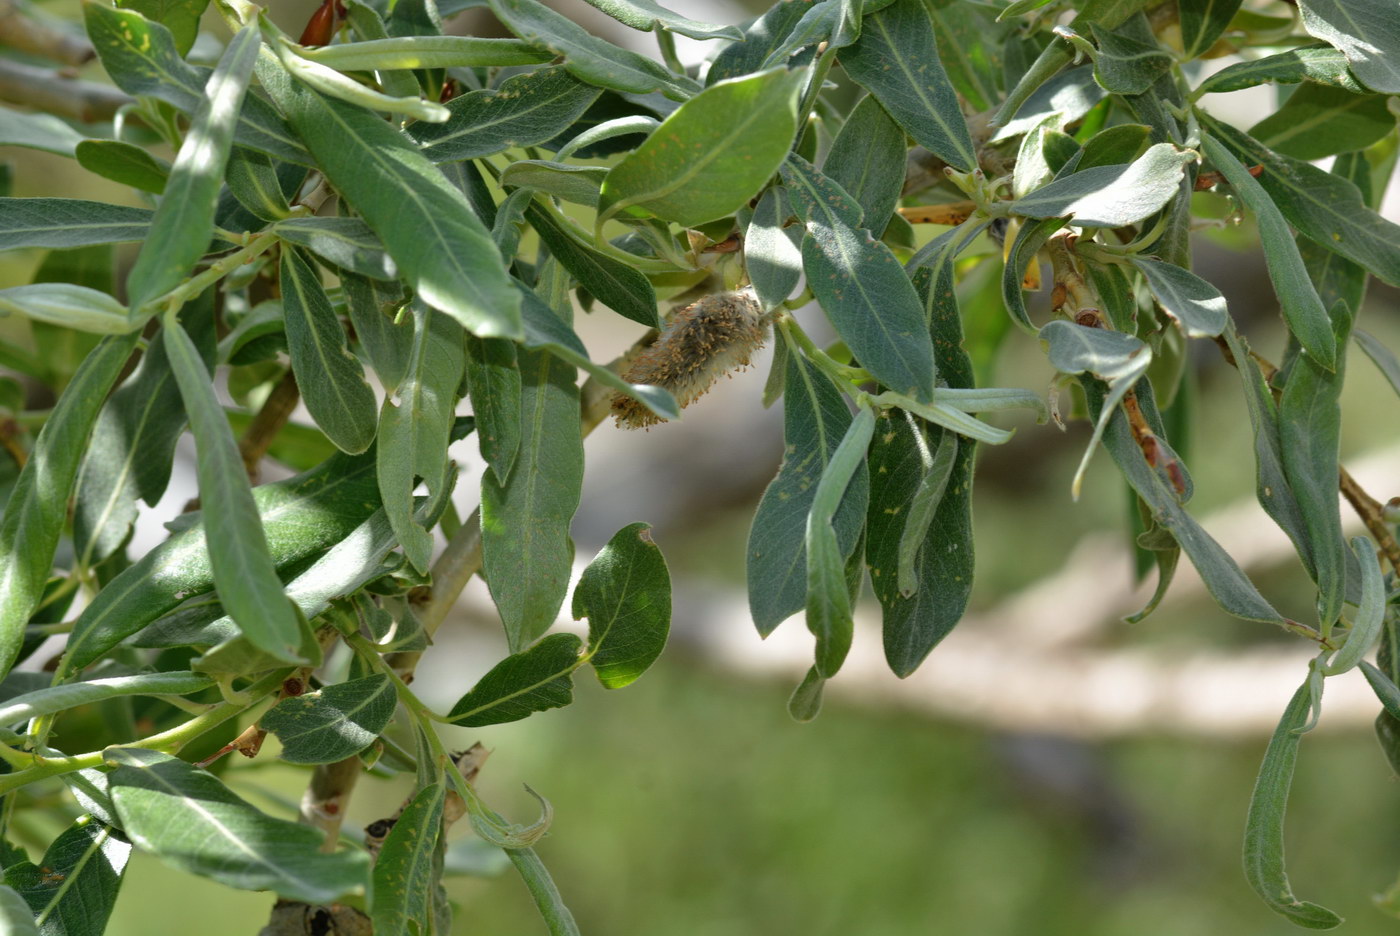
x=953, y=213
x=261, y=432
x=48, y=90
x=19, y=30
x=1371, y=513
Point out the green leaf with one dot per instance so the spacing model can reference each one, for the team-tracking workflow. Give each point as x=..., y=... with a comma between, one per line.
x=867, y=160
x=16, y=919
x=1130, y=58
x=828, y=594
x=914, y=625
x=648, y=16
x=74, y=887
x=762, y=38
x=1325, y=207
x=331, y=379
x=591, y=59
x=181, y=17
x=69, y=306
x=441, y=249
x=69, y=222
x=1111, y=196
x=1302, y=309
x=1310, y=423
x=243, y=568
x=626, y=595
x=1317, y=121
x=346, y=242
x=1263, y=834
x=495, y=394
x=1196, y=305
x=253, y=182
x=522, y=684
x=860, y=285
x=896, y=59
x=1321, y=64
x=388, y=344
x=1118, y=144
x=815, y=419
x=38, y=505
x=806, y=701
x=526, y=551
x=922, y=507
x=405, y=52
x=1029, y=239
x=712, y=154
x=55, y=699
x=142, y=59
x=1061, y=100
x=184, y=221
x=413, y=434
x=1366, y=31
x=577, y=184
x=125, y=163
x=302, y=518
x=38, y=131
x=1202, y=22
x=192, y=822
x=772, y=250
x=403, y=872
x=1370, y=611
x=332, y=723
x=969, y=43
x=1223, y=578
x=616, y=284
x=525, y=110
x=1380, y=355
x=1271, y=484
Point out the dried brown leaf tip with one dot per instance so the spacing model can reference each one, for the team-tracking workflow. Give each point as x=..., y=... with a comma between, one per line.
x=710, y=337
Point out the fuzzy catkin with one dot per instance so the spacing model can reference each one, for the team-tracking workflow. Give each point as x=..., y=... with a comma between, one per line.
x=709, y=337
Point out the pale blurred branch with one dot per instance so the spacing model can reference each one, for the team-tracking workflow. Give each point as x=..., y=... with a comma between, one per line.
x=52, y=91
x=21, y=29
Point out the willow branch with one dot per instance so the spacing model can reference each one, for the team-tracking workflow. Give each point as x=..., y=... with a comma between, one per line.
x=275, y=412
x=1371, y=513
x=19, y=30
x=48, y=90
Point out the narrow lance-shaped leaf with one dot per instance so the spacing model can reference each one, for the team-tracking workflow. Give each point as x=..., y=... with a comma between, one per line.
x=1318, y=121
x=617, y=284
x=243, y=569
x=184, y=221
x=68, y=305
x=712, y=155
x=1303, y=310
x=426, y=224
x=526, y=550
x=142, y=59
x=38, y=504
x=302, y=517
x=413, y=433
x=54, y=699
x=495, y=395
x=897, y=60
x=69, y=222
x=593, y=60
x=922, y=507
x=387, y=342
x=815, y=418
x=1111, y=196
x=331, y=379
x=861, y=285
x=414, y=52
x=332, y=723
x=191, y=821
x=403, y=871
x=125, y=163
x=828, y=595
x=1320, y=64
x=1365, y=31
x=1263, y=836
x=1384, y=359
x=74, y=887
x=626, y=595
x=1370, y=612
x=525, y=110
x=647, y=16
x=1202, y=23
x=1310, y=423
x=867, y=159
x=1130, y=58
x=520, y=685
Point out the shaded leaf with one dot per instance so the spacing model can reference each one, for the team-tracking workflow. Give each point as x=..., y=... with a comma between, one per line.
x=867, y=160
x=495, y=395
x=346, y=242
x=69, y=306
x=1319, y=121
x=626, y=595
x=332, y=723
x=1381, y=356
x=896, y=59
x=38, y=131
x=615, y=283
x=1202, y=22
x=1131, y=60
x=181, y=17
x=74, y=887
x=53, y=699
x=520, y=685
x=192, y=822
x=403, y=872
x=69, y=222
x=125, y=163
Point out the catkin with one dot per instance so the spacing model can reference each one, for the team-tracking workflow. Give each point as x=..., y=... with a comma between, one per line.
x=709, y=337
